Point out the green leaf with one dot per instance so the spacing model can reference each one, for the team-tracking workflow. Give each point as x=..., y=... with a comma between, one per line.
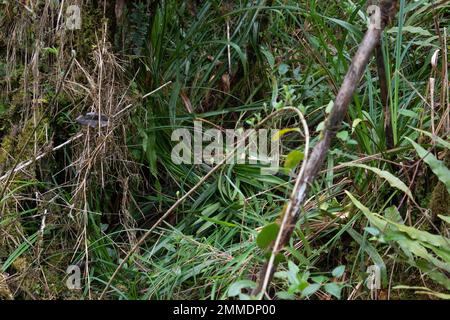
x=355, y=123
x=210, y=209
x=21, y=249
x=372, y=252
x=293, y=159
x=435, y=275
x=297, y=76
x=292, y=274
x=280, y=257
x=439, y=140
x=424, y=236
x=343, y=135
x=3, y=109
x=236, y=288
x=414, y=30
x=319, y=279
x=281, y=133
x=439, y=295
x=267, y=235
x=283, y=295
x=51, y=50
x=389, y=177
x=446, y=219
x=283, y=69
x=320, y=126
x=409, y=113
x=338, y=271
x=334, y=289
x=392, y=214
x=348, y=26
x=411, y=246
x=373, y=231
x=311, y=289
x=269, y=56
x=374, y=220
x=206, y=212
x=329, y=107
x=382, y=225
x=438, y=167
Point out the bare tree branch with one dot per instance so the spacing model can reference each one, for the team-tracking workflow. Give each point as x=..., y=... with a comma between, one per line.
x=304, y=180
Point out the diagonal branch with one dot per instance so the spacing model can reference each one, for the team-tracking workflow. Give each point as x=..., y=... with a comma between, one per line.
x=304, y=180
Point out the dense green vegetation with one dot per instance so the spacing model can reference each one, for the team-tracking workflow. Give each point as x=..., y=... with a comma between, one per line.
x=155, y=66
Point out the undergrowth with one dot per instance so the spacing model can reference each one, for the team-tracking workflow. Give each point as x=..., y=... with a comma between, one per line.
x=228, y=65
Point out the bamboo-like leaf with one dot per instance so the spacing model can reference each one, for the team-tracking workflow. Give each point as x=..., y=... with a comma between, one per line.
x=389, y=177
x=438, y=167
x=374, y=220
x=19, y=251
x=382, y=224
x=446, y=219
x=439, y=140
x=411, y=29
x=424, y=236
x=424, y=290
x=372, y=252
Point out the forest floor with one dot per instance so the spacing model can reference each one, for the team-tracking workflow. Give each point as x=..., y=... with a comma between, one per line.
x=92, y=93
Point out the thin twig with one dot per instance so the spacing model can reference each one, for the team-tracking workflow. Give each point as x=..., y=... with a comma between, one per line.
x=25, y=164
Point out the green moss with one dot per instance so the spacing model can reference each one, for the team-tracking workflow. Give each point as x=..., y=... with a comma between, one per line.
x=86, y=38
x=10, y=152
x=440, y=198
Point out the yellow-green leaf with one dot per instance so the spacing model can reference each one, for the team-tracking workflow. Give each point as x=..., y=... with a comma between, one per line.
x=281, y=133
x=389, y=177
x=267, y=235
x=293, y=159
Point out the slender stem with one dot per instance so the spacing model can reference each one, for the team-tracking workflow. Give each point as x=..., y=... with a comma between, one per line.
x=384, y=93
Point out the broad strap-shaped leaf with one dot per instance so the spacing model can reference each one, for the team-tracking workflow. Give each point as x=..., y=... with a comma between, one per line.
x=438, y=167
x=445, y=218
x=372, y=252
x=389, y=177
x=433, y=239
x=382, y=224
x=374, y=220
x=439, y=140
